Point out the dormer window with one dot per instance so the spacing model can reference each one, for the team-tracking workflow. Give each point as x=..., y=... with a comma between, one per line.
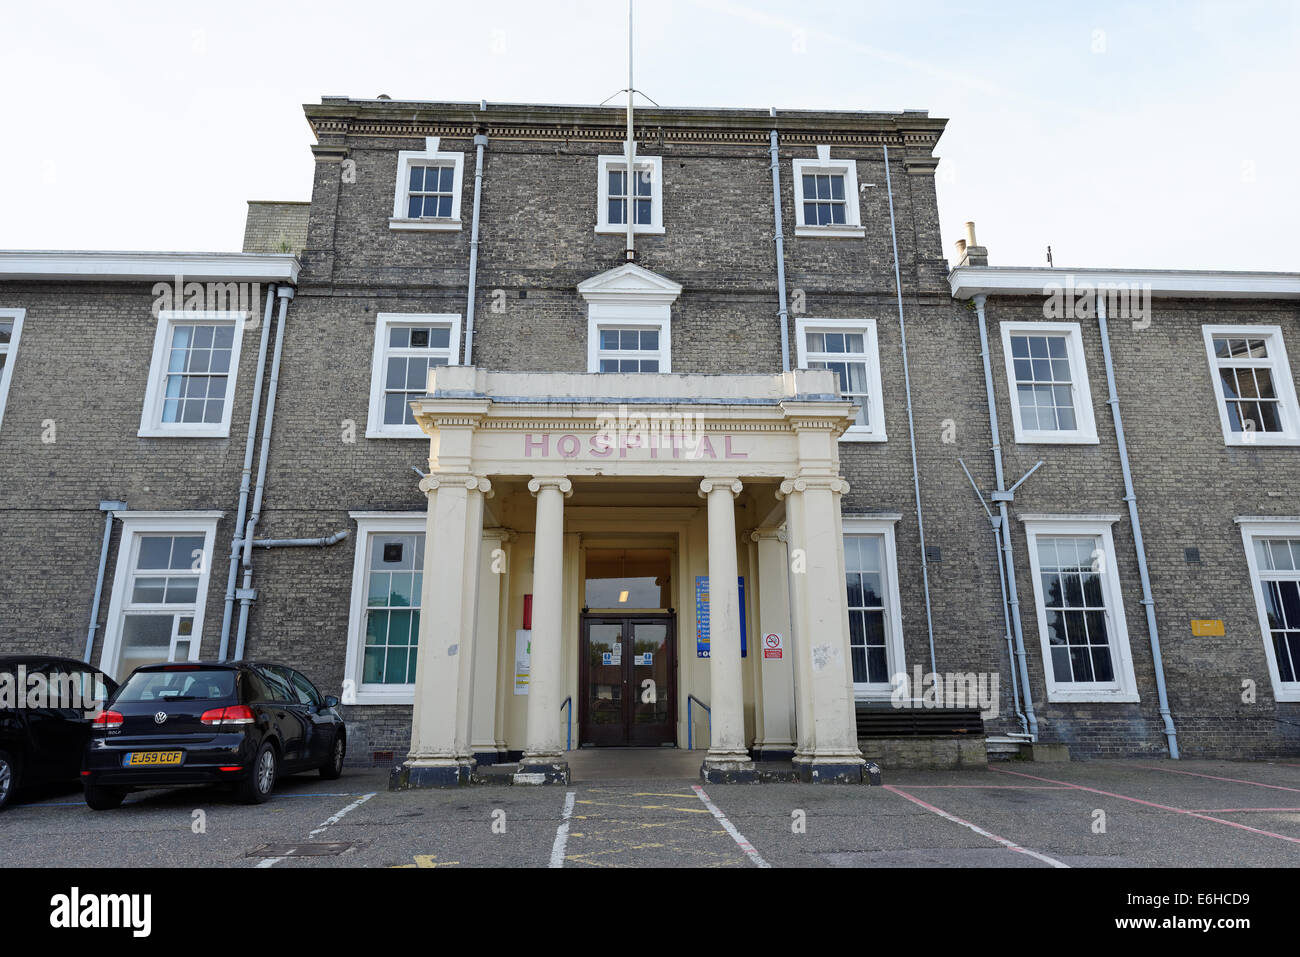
x=646, y=195
x=826, y=197
x=428, y=188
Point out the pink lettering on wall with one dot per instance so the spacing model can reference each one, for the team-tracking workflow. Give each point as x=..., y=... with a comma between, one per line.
x=543, y=445
x=568, y=446
x=729, y=452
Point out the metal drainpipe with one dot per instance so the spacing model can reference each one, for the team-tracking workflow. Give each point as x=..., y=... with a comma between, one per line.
x=232, y=579
x=1148, y=603
x=324, y=540
x=780, y=252
x=911, y=432
x=480, y=141
x=246, y=594
x=1004, y=523
x=108, y=508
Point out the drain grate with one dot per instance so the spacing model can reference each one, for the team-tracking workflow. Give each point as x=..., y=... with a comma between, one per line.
x=319, y=849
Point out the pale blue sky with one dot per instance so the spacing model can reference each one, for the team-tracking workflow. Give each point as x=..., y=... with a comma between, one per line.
x=1160, y=134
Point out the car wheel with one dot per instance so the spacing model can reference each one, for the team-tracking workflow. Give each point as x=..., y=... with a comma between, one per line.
x=257, y=787
x=104, y=799
x=8, y=778
x=332, y=769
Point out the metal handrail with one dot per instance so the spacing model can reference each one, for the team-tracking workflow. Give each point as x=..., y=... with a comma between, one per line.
x=690, y=723
x=568, y=737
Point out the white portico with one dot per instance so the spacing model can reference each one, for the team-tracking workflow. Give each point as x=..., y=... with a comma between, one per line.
x=610, y=554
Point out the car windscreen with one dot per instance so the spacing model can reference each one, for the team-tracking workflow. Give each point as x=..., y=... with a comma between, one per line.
x=197, y=685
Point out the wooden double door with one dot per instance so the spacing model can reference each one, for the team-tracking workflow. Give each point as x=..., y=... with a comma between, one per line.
x=627, y=681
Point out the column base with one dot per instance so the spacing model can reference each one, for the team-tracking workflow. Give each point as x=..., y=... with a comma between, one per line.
x=542, y=769
x=833, y=771
x=777, y=753
x=413, y=775
x=728, y=768
x=489, y=757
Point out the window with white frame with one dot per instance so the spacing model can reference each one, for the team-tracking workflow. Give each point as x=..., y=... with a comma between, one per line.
x=384, y=629
x=646, y=196
x=826, y=196
x=429, y=185
x=848, y=348
x=1081, y=621
x=11, y=327
x=1048, y=380
x=406, y=347
x=622, y=348
x=192, y=375
x=1273, y=556
x=1253, y=385
x=875, y=628
x=160, y=589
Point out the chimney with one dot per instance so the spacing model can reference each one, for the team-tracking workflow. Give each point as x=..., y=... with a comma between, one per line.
x=969, y=252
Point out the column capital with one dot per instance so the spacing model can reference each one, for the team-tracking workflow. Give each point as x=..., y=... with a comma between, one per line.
x=436, y=480
x=803, y=483
x=497, y=534
x=558, y=482
x=768, y=533
x=731, y=484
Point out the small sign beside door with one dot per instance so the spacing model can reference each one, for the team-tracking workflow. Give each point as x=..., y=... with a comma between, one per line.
x=773, y=646
x=1207, y=627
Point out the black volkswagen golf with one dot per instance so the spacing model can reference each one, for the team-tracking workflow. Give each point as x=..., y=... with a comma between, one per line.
x=241, y=723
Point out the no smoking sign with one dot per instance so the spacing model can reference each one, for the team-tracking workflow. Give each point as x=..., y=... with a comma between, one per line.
x=773, y=645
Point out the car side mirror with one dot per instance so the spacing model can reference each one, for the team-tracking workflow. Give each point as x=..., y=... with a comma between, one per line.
x=331, y=701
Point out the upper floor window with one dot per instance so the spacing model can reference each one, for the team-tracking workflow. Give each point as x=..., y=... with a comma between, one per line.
x=629, y=320
x=847, y=347
x=1273, y=555
x=826, y=196
x=11, y=326
x=192, y=375
x=646, y=195
x=1252, y=382
x=1050, y=397
x=1081, y=619
x=406, y=347
x=428, y=189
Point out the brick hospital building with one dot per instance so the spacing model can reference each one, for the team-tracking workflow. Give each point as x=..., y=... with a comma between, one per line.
x=511, y=478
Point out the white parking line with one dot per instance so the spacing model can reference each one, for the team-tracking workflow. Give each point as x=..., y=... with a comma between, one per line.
x=1009, y=845
x=736, y=836
x=272, y=861
x=562, y=832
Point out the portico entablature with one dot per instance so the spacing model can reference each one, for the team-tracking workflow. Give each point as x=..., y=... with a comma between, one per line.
x=526, y=424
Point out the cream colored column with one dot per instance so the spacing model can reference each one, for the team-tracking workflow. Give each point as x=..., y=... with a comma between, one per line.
x=776, y=675
x=821, y=614
x=805, y=728
x=544, y=760
x=727, y=760
x=444, y=670
x=493, y=569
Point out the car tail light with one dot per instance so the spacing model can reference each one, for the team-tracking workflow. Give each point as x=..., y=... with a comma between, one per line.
x=107, y=721
x=235, y=714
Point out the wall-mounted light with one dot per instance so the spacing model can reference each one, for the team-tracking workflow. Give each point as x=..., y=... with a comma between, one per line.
x=622, y=598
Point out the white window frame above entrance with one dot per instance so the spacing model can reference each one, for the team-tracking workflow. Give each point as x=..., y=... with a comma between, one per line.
x=368, y=524
x=882, y=528
x=1253, y=529
x=134, y=526
x=661, y=325
x=653, y=165
x=1124, y=687
x=384, y=322
x=874, y=430
x=629, y=297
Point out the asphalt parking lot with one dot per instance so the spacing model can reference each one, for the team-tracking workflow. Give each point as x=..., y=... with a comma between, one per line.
x=1080, y=814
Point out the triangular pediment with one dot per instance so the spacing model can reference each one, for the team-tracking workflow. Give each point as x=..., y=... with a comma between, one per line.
x=629, y=283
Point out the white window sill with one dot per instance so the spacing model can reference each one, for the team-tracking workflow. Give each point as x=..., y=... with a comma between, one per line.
x=864, y=435
x=1094, y=696
x=831, y=232
x=428, y=224
x=416, y=433
x=383, y=697
x=876, y=694
x=605, y=229
x=219, y=432
x=1279, y=439
x=1286, y=692
x=1056, y=438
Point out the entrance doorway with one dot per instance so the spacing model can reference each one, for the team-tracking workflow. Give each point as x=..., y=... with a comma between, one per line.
x=627, y=678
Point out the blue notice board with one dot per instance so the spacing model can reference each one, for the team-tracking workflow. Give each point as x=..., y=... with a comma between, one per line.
x=702, y=616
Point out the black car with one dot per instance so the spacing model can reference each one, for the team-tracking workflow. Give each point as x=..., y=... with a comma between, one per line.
x=46, y=706
x=241, y=723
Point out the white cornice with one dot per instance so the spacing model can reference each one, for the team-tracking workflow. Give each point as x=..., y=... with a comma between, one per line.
x=629, y=284
x=968, y=281
x=110, y=266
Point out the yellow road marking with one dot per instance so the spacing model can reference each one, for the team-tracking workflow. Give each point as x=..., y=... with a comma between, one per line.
x=427, y=860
